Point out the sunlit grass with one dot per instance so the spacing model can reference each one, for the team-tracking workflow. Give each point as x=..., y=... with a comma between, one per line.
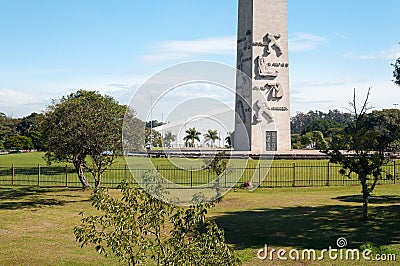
x=36, y=224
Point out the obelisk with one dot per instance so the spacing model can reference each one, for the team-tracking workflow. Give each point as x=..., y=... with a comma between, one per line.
x=262, y=100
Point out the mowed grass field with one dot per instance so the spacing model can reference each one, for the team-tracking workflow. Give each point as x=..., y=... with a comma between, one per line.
x=36, y=224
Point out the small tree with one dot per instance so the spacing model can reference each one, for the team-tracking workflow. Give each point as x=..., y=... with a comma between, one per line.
x=153, y=138
x=141, y=229
x=212, y=136
x=85, y=129
x=363, y=157
x=192, y=136
x=229, y=139
x=169, y=137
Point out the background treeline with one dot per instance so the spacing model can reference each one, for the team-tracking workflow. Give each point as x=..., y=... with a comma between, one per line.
x=20, y=133
x=312, y=130
x=317, y=130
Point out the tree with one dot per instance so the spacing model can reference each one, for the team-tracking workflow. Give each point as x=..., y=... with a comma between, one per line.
x=364, y=156
x=396, y=72
x=133, y=132
x=153, y=138
x=192, y=136
x=212, y=136
x=319, y=121
x=229, y=139
x=7, y=127
x=85, y=129
x=142, y=229
x=217, y=165
x=169, y=137
x=387, y=124
x=30, y=126
x=18, y=142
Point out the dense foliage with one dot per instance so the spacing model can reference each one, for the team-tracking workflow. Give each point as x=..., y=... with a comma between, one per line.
x=141, y=229
x=85, y=129
x=12, y=129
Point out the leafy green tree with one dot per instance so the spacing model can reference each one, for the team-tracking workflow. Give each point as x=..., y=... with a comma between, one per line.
x=168, y=139
x=153, y=137
x=85, y=129
x=192, y=136
x=29, y=123
x=396, y=72
x=364, y=156
x=212, y=136
x=7, y=127
x=322, y=125
x=319, y=141
x=387, y=124
x=302, y=123
x=133, y=132
x=18, y=142
x=218, y=166
x=141, y=229
x=229, y=139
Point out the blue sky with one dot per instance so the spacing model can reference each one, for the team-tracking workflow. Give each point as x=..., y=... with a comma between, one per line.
x=51, y=48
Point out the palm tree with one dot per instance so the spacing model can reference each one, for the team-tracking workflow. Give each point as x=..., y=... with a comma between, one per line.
x=192, y=135
x=212, y=135
x=169, y=138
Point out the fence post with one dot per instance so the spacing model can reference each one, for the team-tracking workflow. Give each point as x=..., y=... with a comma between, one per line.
x=294, y=174
x=38, y=176
x=12, y=174
x=66, y=176
x=328, y=177
x=126, y=171
x=259, y=176
x=394, y=171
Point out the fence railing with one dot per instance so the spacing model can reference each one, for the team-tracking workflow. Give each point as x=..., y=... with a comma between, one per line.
x=275, y=175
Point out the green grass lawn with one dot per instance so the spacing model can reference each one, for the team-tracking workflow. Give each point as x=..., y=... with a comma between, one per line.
x=36, y=223
x=279, y=173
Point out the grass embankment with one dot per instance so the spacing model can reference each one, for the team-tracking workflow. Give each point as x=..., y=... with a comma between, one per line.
x=36, y=224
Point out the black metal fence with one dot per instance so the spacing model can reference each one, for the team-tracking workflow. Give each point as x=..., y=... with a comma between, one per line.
x=275, y=175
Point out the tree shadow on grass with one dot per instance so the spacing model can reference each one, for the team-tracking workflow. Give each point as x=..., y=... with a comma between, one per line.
x=15, y=193
x=385, y=199
x=310, y=227
x=15, y=198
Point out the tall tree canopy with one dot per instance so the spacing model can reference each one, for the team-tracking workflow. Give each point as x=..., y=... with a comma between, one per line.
x=84, y=128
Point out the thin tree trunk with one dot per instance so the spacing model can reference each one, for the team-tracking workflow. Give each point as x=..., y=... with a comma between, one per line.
x=365, y=200
x=81, y=175
x=97, y=181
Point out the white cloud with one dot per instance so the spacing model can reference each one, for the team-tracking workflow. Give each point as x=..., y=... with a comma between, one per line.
x=10, y=98
x=302, y=42
x=178, y=50
x=387, y=54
